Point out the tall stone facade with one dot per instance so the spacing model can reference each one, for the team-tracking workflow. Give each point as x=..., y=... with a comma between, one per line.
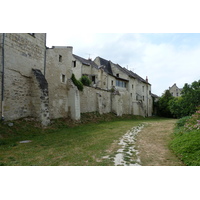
x=63, y=95
x=36, y=82
x=22, y=53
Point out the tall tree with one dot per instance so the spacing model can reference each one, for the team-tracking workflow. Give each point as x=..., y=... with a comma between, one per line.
x=163, y=104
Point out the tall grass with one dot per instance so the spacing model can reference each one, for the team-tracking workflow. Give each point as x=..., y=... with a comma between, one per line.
x=186, y=140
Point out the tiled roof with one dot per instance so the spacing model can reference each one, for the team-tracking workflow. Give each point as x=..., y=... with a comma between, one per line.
x=85, y=61
x=136, y=76
x=107, y=66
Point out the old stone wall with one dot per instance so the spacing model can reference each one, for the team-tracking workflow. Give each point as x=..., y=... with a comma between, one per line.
x=40, y=97
x=93, y=100
x=77, y=69
x=58, y=72
x=22, y=52
x=1, y=69
x=73, y=101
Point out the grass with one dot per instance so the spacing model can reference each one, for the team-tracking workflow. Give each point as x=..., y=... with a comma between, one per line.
x=64, y=143
x=186, y=139
x=186, y=145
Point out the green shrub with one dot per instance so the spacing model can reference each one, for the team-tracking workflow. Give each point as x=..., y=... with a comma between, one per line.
x=77, y=83
x=193, y=123
x=85, y=81
x=187, y=147
x=181, y=122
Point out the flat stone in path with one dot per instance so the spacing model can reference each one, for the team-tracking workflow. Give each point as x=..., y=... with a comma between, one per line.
x=25, y=141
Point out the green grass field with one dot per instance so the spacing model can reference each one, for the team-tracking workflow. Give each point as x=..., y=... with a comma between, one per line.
x=61, y=144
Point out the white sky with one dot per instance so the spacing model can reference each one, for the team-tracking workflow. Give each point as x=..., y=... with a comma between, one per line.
x=165, y=58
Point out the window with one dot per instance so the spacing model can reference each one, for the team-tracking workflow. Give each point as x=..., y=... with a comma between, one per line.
x=74, y=63
x=132, y=86
x=63, y=78
x=94, y=79
x=120, y=83
x=111, y=82
x=117, y=75
x=142, y=88
x=60, y=58
x=143, y=98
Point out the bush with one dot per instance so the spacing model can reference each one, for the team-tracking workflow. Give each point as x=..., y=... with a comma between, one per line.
x=85, y=81
x=186, y=141
x=77, y=83
x=193, y=123
x=187, y=147
x=181, y=122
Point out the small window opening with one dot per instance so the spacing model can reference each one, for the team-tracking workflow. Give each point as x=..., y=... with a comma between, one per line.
x=93, y=79
x=112, y=83
x=60, y=58
x=117, y=75
x=74, y=63
x=63, y=78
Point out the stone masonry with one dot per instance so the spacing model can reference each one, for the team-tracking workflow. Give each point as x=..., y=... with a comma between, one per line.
x=36, y=82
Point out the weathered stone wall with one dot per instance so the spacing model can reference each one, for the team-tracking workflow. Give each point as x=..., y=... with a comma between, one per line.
x=73, y=101
x=22, y=52
x=40, y=97
x=58, y=72
x=117, y=104
x=1, y=44
x=17, y=95
x=77, y=70
x=93, y=100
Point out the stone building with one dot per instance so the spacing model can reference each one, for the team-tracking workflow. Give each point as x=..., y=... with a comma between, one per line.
x=24, y=89
x=36, y=82
x=175, y=91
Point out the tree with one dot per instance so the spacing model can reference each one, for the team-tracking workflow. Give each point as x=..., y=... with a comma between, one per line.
x=191, y=97
x=163, y=104
x=176, y=107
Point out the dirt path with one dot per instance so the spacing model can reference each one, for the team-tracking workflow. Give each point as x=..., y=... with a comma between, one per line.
x=152, y=143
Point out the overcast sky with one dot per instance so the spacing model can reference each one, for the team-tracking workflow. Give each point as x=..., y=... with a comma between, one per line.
x=165, y=58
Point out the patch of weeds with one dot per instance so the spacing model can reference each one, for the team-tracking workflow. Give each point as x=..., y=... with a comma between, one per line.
x=2, y=142
x=127, y=158
x=2, y=164
x=133, y=162
x=11, y=158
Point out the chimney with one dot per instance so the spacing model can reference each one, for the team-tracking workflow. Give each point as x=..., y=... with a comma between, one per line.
x=147, y=79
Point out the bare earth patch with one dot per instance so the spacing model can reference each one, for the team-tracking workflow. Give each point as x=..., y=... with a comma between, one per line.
x=152, y=144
